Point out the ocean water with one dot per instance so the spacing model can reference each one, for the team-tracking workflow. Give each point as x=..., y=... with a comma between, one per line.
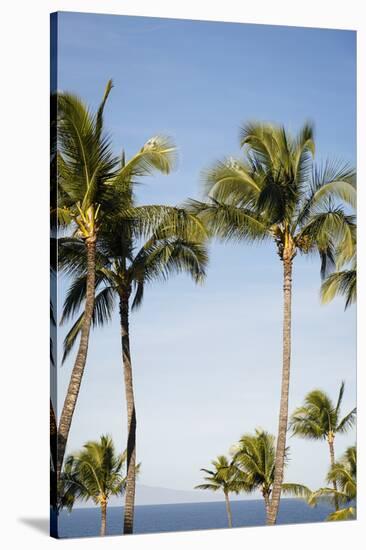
x=85, y=522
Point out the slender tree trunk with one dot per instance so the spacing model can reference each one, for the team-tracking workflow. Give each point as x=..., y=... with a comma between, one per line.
x=53, y=450
x=103, y=525
x=228, y=510
x=53, y=436
x=267, y=503
x=131, y=415
x=332, y=462
x=283, y=416
x=79, y=365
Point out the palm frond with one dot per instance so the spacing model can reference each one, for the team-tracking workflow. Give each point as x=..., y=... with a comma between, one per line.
x=343, y=514
x=297, y=490
x=103, y=308
x=333, y=180
x=158, y=153
x=340, y=283
x=230, y=222
x=347, y=422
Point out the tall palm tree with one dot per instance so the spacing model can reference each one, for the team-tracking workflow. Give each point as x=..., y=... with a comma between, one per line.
x=95, y=473
x=254, y=456
x=277, y=193
x=224, y=477
x=320, y=419
x=84, y=165
x=344, y=475
x=91, y=191
x=122, y=272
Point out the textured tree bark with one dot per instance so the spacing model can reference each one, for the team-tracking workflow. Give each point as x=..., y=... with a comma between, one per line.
x=131, y=415
x=332, y=462
x=103, y=525
x=283, y=416
x=78, y=370
x=53, y=436
x=53, y=450
x=267, y=503
x=228, y=510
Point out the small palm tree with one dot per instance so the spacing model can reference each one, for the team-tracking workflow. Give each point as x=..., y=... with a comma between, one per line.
x=344, y=475
x=95, y=473
x=254, y=456
x=224, y=477
x=122, y=273
x=319, y=418
x=277, y=193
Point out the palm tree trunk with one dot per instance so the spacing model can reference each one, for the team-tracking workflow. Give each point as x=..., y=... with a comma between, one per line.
x=53, y=450
x=267, y=503
x=79, y=365
x=53, y=436
x=332, y=462
x=103, y=525
x=283, y=416
x=131, y=415
x=228, y=510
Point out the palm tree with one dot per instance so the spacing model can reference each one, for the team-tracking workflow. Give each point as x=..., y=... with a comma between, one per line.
x=319, y=418
x=91, y=191
x=343, y=474
x=84, y=165
x=122, y=273
x=276, y=193
x=94, y=473
x=224, y=477
x=254, y=456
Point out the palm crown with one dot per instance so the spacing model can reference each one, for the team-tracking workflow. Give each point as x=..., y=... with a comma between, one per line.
x=94, y=473
x=122, y=268
x=225, y=477
x=320, y=418
x=255, y=456
x=277, y=192
x=91, y=179
x=344, y=475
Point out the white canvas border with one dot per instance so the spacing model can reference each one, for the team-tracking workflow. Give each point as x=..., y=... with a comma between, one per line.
x=24, y=277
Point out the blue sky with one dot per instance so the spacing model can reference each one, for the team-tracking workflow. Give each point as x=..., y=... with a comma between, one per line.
x=207, y=360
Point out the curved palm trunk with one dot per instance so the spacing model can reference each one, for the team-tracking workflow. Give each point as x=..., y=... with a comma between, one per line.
x=103, y=525
x=131, y=415
x=332, y=462
x=228, y=510
x=283, y=416
x=78, y=370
